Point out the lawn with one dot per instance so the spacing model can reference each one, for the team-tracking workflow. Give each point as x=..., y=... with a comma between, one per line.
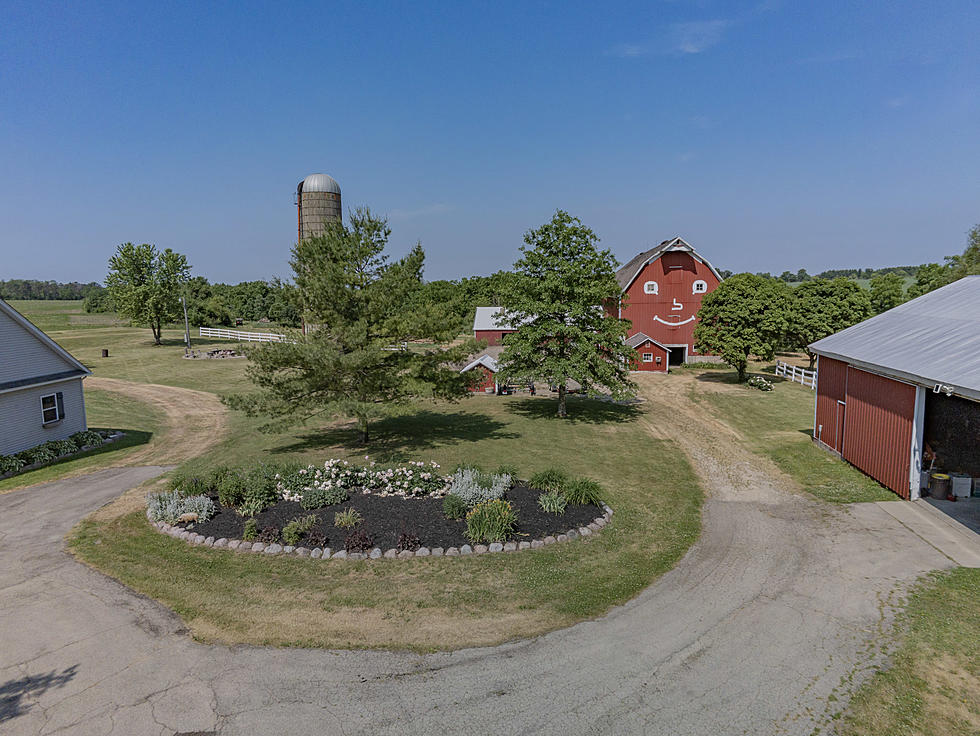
x=778, y=424
x=62, y=314
x=932, y=687
x=104, y=410
x=427, y=604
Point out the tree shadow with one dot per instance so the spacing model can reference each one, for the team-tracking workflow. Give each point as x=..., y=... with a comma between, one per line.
x=580, y=409
x=13, y=692
x=395, y=439
x=731, y=377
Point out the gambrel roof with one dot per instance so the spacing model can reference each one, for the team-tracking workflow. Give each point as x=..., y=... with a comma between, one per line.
x=628, y=273
x=29, y=357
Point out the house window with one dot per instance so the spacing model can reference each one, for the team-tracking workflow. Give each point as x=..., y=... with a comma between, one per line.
x=700, y=287
x=651, y=287
x=50, y=409
x=647, y=357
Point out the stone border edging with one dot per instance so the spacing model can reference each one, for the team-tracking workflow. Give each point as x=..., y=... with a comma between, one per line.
x=376, y=553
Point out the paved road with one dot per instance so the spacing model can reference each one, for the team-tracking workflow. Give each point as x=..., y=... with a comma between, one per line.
x=781, y=601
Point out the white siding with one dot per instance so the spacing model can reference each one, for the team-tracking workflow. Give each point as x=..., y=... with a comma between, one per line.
x=23, y=355
x=20, y=415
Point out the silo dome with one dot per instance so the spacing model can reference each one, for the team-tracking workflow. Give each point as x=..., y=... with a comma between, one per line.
x=319, y=183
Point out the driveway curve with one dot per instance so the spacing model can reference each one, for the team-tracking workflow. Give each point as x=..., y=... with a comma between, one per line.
x=762, y=628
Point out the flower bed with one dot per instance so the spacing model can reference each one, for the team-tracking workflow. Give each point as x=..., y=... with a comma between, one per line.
x=49, y=452
x=345, y=510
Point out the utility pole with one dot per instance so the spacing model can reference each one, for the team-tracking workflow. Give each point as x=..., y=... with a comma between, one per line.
x=187, y=329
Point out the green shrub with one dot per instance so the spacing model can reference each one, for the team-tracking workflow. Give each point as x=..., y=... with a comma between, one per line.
x=10, y=464
x=491, y=521
x=194, y=485
x=260, y=491
x=553, y=502
x=214, y=478
x=549, y=480
x=36, y=455
x=454, y=507
x=318, y=498
x=251, y=530
x=231, y=489
x=347, y=519
x=62, y=447
x=88, y=438
x=200, y=505
x=583, y=491
x=506, y=469
x=293, y=532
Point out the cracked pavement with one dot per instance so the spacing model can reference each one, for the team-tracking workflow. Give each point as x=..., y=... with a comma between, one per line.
x=765, y=626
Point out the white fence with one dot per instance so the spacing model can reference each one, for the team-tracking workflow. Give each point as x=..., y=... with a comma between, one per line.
x=797, y=374
x=241, y=336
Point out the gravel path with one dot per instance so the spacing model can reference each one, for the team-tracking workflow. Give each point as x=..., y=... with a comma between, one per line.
x=781, y=605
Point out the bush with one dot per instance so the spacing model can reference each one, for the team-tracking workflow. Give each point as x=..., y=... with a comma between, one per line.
x=316, y=539
x=88, y=438
x=251, y=530
x=549, y=480
x=491, y=521
x=37, y=455
x=347, y=519
x=268, y=535
x=293, y=532
x=259, y=492
x=507, y=469
x=454, y=507
x=358, y=541
x=763, y=384
x=166, y=507
x=200, y=505
x=409, y=542
x=194, y=485
x=475, y=487
x=215, y=476
x=10, y=464
x=583, y=491
x=553, y=502
x=62, y=447
x=231, y=489
x=319, y=497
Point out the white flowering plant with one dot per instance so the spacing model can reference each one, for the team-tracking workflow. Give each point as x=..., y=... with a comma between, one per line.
x=315, y=486
x=763, y=384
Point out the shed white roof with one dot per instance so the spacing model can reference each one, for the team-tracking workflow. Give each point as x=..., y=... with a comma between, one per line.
x=932, y=339
x=486, y=319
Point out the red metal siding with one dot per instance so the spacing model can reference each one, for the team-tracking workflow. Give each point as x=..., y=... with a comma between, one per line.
x=878, y=427
x=482, y=379
x=657, y=351
x=675, y=302
x=831, y=383
x=493, y=337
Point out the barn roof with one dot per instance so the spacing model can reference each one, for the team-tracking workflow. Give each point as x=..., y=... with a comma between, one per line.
x=628, y=273
x=932, y=339
x=486, y=319
x=639, y=338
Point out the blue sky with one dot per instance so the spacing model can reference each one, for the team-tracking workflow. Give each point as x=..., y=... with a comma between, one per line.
x=771, y=135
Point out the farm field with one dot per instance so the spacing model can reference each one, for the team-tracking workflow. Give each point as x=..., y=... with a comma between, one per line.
x=63, y=314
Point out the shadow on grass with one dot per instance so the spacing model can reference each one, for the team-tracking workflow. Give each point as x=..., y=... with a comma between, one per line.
x=731, y=377
x=13, y=692
x=580, y=409
x=396, y=439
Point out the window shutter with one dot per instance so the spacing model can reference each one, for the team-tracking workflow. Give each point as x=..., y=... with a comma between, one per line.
x=61, y=405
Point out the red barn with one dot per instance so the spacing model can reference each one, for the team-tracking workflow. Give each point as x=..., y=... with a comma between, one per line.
x=486, y=327
x=662, y=292
x=899, y=394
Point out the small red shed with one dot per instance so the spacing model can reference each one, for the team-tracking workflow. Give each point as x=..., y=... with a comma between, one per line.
x=650, y=354
x=900, y=393
x=484, y=370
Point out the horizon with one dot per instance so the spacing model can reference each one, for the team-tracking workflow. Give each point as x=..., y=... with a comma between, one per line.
x=771, y=137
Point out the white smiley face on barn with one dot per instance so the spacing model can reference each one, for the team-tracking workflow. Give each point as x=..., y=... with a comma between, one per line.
x=675, y=307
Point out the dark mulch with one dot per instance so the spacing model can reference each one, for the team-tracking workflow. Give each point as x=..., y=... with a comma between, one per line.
x=386, y=518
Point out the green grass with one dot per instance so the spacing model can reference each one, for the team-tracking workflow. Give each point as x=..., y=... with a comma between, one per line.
x=104, y=410
x=778, y=424
x=433, y=603
x=932, y=687
x=62, y=314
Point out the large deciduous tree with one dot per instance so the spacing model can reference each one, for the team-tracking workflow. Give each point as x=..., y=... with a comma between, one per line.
x=145, y=285
x=745, y=315
x=822, y=307
x=555, y=300
x=361, y=309
x=887, y=292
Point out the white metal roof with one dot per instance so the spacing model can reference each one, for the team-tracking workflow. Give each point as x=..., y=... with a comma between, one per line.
x=932, y=339
x=319, y=183
x=485, y=360
x=486, y=319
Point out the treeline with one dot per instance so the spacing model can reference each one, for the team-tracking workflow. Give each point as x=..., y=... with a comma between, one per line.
x=31, y=289
x=220, y=305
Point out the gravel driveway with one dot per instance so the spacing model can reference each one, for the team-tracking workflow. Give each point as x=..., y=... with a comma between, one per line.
x=782, y=604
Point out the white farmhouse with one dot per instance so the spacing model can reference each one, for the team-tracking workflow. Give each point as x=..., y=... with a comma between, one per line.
x=41, y=395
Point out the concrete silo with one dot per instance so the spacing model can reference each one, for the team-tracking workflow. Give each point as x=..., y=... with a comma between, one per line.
x=318, y=202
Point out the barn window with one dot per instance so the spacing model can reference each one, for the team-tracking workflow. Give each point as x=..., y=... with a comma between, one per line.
x=647, y=357
x=651, y=287
x=699, y=287
x=52, y=408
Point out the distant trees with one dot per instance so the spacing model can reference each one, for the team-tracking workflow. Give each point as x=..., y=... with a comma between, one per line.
x=461, y=297
x=363, y=307
x=887, y=291
x=746, y=315
x=145, y=285
x=821, y=307
x=563, y=334
x=32, y=289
